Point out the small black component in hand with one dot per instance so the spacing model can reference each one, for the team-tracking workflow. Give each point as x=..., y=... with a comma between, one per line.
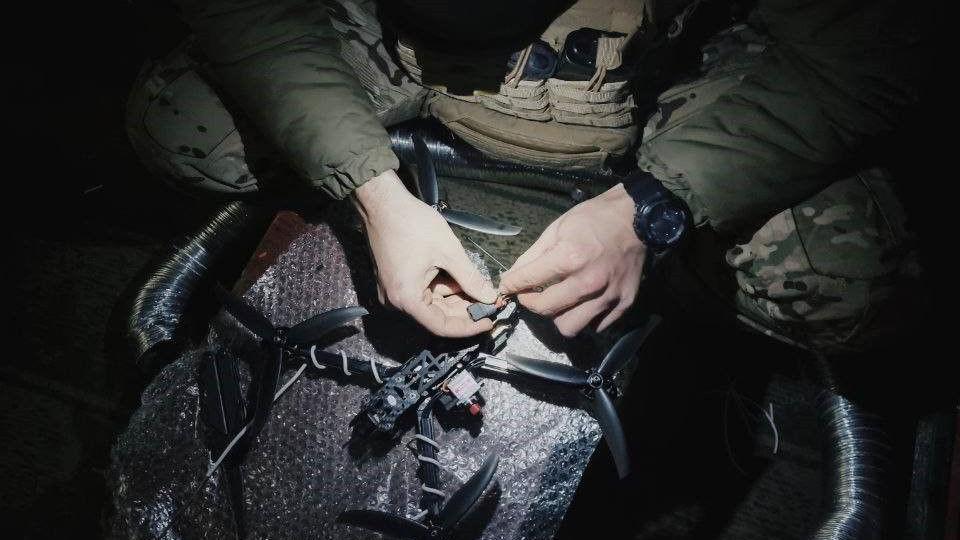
x=480, y=310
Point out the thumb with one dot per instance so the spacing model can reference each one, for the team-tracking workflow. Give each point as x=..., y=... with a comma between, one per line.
x=468, y=276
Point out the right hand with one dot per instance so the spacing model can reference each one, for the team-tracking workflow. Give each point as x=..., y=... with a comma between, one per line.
x=420, y=266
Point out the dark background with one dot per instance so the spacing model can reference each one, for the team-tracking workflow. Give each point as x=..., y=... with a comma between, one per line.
x=83, y=218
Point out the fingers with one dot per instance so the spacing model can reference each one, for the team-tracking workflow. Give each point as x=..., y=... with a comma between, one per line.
x=446, y=320
x=558, y=297
x=468, y=276
x=614, y=314
x=536, y=268
x=552, y=266
x=626, y=301
x=444, y=285
x=571, y=322
x=546, y=240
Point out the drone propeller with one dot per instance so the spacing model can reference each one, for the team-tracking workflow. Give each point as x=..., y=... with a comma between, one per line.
x=308, y=331
x=460, y=503
x=277, y=341
x=457, y=507
x=429, y=191
x=595, y=383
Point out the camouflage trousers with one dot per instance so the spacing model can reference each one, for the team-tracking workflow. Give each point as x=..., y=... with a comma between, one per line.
x=835, y=272
x=825, y=273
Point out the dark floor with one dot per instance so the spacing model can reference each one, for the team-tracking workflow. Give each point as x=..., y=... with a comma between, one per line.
x=89, y=219
x=83, y=221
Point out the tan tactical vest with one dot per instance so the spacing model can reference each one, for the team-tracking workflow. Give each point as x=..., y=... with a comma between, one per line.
x=548, y=122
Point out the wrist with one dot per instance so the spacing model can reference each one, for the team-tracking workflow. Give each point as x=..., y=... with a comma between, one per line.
x=621, y=206
x=375, y=194
x=660, y=219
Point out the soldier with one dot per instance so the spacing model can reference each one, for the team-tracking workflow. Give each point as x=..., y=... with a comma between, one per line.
x=763, y=147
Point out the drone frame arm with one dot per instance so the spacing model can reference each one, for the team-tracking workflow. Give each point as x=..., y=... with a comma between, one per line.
x=427, y=449
x=375, y=372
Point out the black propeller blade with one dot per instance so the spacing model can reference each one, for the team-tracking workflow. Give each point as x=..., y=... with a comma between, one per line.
x=276, y=341
x=458, y=506
x=595, y=383
x=600, y=405
x=245, y=313
x=479, y=223
x=426, y=173
x=384, y=523
x=551, y=371
x=222, y=409
x=302, y=333
x=463, y=499
x=429, y=191
x=318, y=326
x=606, y=415
x=626, y=347
x=263, y=386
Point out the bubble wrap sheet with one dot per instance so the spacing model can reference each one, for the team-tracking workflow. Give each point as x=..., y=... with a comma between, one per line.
x=300, y=474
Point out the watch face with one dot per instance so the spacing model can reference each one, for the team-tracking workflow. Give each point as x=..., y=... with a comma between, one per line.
x=666, y=224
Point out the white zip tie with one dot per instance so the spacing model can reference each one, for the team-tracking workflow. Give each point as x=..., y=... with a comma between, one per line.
x=290, y=382
x=437, y=492
x=216, y=464
x=373, y=369
x=346, y=371
x=436, y=445
x=313, y=356
x=776, y=433
x=233, y=442
x=344, y=356
x=427, y=440
x=421, y=515
x=429, y=460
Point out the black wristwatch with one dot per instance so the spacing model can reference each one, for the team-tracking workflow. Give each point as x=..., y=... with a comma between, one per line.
x=662, y=219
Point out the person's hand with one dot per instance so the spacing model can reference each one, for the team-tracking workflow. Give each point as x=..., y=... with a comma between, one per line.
x=421, y=267
x=586, y=264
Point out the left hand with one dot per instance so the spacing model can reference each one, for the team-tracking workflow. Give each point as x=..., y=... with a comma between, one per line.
x=586, y=264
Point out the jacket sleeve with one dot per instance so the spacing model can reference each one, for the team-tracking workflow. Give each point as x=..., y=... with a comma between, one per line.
x=838, y=77
x=279, y=61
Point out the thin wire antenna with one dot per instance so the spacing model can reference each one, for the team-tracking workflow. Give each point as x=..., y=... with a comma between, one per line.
x=194, y=495
x=485, y=252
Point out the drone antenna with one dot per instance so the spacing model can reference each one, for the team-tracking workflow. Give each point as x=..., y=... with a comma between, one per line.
x=195, y=494
x=485, y=252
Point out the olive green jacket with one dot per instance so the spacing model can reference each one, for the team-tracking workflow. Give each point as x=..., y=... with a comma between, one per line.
x=838, y=76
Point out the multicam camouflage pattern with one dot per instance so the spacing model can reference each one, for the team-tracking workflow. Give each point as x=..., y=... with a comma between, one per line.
x=819, y=273
x=181, y=128
x=725, y=60
x=822, y=271
x=183, y=132
x=395, y=96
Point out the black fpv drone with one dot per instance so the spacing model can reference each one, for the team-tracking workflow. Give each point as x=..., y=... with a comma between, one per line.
x=420, y=385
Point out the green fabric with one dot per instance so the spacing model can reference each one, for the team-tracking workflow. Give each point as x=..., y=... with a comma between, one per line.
x=279, y=60
x=838, y=76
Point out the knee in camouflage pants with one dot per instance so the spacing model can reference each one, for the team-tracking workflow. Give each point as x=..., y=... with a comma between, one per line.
x=183, y=130
x=823, y=272
x=828, y=273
